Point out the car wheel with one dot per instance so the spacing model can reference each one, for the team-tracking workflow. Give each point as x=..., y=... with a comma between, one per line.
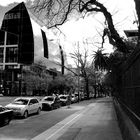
x=6, y=120
x=59, y=105
x=25, y=115
x=39, y=110
x=51, y=107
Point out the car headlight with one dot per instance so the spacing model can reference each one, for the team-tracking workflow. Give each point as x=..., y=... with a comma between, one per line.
x=16, y=109
x=19, y=109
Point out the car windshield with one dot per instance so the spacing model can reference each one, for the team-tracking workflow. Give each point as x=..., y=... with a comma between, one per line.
x=63, y=97
x=49, y=99
x=21, y=101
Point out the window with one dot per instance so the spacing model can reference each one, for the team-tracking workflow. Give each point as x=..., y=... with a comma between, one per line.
x=1, y=55
x=33, y=101
x=21, y=102
x=2, y=33
x=49, y=99
x=11, y=54
x=11, y=39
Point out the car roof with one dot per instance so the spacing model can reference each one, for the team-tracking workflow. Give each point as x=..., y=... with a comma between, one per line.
x=26, y=98
x=49, y=97
x=63, y=96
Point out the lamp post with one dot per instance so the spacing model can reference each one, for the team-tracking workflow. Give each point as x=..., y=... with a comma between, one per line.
x=78, y=75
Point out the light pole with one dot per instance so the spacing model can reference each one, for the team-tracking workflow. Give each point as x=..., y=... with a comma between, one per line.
x=78, y=74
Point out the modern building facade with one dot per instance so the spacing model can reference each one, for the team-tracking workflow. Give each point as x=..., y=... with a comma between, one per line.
x=24, y=42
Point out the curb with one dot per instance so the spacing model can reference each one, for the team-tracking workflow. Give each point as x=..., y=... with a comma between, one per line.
x=128, y=129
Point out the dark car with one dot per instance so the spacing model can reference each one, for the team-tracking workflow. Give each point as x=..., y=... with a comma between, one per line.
x=5, y=115
x=50, y=102
x=64, y=99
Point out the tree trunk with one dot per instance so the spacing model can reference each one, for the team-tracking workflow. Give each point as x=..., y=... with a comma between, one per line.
x=87, y=87
x=95, y=94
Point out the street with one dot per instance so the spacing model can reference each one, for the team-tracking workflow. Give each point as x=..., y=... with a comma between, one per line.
x=35, y=124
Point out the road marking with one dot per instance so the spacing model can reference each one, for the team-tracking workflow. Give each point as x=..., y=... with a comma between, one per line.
x=57, y=130
x=63, y=126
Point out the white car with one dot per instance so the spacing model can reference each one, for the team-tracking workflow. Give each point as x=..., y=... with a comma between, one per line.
x=24, y=106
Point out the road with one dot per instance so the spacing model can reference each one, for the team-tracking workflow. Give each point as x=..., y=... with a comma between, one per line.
x=25, y=129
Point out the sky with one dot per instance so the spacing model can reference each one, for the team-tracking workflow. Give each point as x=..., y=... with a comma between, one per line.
x=79, y=32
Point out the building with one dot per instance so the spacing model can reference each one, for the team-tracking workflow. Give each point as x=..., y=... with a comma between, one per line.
x=24, y=42
x=132, y=35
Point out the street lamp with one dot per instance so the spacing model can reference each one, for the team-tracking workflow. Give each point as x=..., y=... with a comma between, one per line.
x=78, y=74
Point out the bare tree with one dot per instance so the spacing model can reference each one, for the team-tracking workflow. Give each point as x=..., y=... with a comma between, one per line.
x=58, y=12
x=81, y=62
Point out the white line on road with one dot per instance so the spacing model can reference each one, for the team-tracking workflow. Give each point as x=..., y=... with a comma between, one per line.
x=57, y=130
x=64, y=126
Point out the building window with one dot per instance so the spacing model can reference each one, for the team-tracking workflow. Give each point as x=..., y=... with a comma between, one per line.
x=11, y=39
x=11, y=55
x=1, y=68
x=2, y=33
x=1, y=55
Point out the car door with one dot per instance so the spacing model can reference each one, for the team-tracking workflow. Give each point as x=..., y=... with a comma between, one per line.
x=36, y=105
x=31, y=107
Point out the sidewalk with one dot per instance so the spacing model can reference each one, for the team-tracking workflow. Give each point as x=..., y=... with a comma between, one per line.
x=97, y=121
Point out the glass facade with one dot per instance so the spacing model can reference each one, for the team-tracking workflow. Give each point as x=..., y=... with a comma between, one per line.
x=2, y=33
x=1, y=55
x=11, y=55
x=17, y=21
x=33, y=44
x=23, y=42
x=9, y=44
x=12, y=39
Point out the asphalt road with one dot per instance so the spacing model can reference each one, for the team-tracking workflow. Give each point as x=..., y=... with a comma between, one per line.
x=26, y=129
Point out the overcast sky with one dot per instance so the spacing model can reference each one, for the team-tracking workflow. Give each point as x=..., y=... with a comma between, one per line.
x=123, y=12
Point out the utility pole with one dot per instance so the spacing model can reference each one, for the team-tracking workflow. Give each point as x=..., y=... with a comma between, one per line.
x=78, y=74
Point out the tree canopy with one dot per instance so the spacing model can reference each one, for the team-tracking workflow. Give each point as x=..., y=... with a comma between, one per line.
x=57, y=12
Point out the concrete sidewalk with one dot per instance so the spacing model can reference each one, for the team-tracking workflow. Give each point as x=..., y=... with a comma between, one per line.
x=96, y=121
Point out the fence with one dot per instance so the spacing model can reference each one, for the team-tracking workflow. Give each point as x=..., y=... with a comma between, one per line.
x=130, y=87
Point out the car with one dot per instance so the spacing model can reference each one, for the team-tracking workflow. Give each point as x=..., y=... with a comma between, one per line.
x=50, y=102
x=24, y=106
x=74, y=98
x=64, y=99
x=5, y=115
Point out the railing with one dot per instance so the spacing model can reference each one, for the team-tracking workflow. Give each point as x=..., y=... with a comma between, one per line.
x=129, y=95
x=132, y=115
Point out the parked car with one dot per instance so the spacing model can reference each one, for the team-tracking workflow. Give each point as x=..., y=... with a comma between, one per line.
x=24, y=106
x=5, y=115
x=74, y=98
x=50, y=102
x=64, y=99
